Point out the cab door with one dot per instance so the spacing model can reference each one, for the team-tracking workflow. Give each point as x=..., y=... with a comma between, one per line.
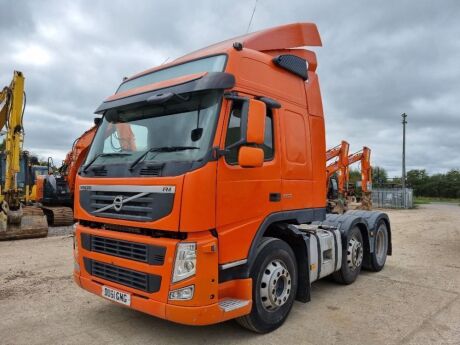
x=245, y=196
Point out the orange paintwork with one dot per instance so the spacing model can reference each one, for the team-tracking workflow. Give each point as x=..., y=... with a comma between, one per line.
x=229, y=199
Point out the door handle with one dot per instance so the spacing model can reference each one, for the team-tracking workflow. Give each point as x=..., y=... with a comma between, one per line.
x=274, y=197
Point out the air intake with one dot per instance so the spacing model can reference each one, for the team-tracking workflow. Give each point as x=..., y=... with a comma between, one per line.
x=293, y=64
x=100, y=172
x=150, y=171
x=124, y=276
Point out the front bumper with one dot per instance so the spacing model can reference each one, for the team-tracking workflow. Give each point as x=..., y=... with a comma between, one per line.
x=203, y=309
x=188, y=315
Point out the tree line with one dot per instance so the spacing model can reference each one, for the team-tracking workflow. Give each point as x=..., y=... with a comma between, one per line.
x=441, y=185
x=438, y=185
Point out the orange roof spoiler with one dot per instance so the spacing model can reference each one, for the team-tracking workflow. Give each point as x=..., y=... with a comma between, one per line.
x=282, y=37
x=272, y=41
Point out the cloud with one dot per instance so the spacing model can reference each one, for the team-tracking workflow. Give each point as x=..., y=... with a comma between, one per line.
x=378, y=60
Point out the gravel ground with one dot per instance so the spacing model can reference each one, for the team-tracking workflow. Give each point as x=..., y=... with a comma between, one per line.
x=414, y=300
x=60, y=231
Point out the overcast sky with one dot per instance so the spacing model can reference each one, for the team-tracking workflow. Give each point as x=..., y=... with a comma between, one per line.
x=378, y=60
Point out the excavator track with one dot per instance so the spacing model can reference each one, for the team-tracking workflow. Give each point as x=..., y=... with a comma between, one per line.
x=58, y=215
x=33, y=224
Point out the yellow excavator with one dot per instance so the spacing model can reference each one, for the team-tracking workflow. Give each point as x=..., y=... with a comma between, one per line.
x=17, y=221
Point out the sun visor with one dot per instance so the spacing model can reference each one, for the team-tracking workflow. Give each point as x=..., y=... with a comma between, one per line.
x=209, y=81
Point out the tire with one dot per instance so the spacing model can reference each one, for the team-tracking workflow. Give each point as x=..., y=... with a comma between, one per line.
x=379, y=256
x=352, y=258
x=274, y=286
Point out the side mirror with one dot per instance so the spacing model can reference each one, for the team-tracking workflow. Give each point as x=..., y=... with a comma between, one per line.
x=97, y=121
x=250, y=157
x=255, y=129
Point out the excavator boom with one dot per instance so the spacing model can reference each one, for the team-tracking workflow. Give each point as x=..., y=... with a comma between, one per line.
x=75, y=157
x=340, y=166
x=16, y=221
x=57, y=211
x=55, y=192
x=363, y=156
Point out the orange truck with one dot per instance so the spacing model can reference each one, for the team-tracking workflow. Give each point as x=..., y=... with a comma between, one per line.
x=202, y=195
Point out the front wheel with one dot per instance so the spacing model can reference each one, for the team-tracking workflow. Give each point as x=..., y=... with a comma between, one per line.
x=274, y=286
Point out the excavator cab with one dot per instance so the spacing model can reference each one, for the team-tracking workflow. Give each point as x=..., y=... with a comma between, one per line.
x=54, y=196
x=333, y=188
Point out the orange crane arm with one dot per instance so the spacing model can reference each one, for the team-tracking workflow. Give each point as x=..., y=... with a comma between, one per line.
x=364, y=156
x=340, y=165
x=366, y=170
x=76, y=155
x=334, y=152
x=337, y=150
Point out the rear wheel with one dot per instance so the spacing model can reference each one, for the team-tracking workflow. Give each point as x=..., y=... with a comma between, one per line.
x=274, y=279
x=379, y=256
x=352, y=258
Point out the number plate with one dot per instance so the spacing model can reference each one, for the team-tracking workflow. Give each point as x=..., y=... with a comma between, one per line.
x=116, y=296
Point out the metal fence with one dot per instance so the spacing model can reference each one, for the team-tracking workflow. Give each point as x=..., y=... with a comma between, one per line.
x=392, y=197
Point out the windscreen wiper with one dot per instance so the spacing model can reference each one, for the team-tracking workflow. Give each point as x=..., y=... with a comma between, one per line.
x=102, y=154
x=161, y=149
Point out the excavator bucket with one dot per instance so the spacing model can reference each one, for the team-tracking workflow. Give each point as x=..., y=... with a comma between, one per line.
x=32, y=224
x=366, y=201
x=58, y=215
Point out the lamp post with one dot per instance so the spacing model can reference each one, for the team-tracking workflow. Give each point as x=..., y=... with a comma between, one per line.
x=403, y=178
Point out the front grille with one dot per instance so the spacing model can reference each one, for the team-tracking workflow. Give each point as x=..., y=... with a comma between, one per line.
x=135, y=279
x=151, y=254
x=135, y=203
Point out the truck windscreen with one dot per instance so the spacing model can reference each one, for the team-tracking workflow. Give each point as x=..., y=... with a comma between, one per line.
x=179, y=130
x=208, y=64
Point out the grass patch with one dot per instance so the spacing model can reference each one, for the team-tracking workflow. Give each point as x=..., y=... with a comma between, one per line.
x=421, y=200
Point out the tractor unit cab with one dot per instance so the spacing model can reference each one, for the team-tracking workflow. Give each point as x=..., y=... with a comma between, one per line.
x=202, y=197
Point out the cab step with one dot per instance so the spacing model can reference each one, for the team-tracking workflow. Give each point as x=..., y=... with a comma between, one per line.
x=229, y=304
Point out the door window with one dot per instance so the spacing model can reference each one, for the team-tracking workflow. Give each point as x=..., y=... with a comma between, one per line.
x=234, y=134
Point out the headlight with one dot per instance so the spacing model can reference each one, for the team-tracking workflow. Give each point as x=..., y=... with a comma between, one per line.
x=185, y=263
x=183, y=294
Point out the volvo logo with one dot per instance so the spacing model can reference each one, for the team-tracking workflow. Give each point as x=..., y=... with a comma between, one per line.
x=118, y=203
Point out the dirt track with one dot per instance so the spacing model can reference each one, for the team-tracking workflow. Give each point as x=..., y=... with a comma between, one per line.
x=414, y=300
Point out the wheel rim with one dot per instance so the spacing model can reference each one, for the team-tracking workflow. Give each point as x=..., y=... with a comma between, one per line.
x=355, y=253
x=380, y=245
x=275, y=286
